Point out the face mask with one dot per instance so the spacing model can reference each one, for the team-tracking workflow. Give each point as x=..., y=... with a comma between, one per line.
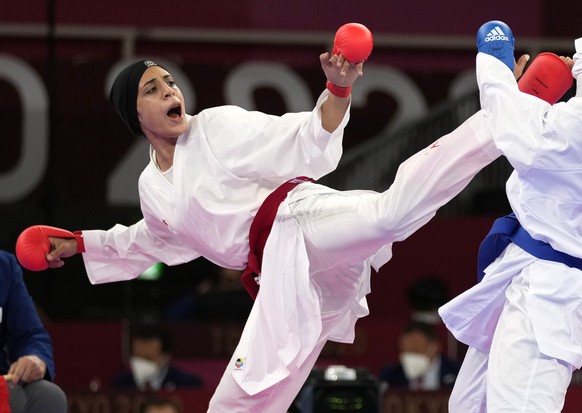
x=429, y=317
x=414, y=364
x=143, y=370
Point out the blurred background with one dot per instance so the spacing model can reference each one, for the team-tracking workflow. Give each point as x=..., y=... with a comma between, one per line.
x=68, y=161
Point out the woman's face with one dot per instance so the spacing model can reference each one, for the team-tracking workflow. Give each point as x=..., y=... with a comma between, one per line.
x=160, y=104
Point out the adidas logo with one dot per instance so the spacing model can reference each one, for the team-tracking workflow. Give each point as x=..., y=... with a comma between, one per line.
x=496, y=34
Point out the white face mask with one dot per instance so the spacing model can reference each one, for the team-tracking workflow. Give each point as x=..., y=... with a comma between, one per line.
x=414, y=364
x=143, y=370
x=429, y=317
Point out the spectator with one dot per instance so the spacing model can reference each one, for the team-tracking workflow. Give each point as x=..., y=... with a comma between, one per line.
x=150, y=362
x=422, y=364
x=26, y=353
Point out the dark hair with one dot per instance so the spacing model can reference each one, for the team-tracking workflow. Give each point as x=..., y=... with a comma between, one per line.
x=428, y=330
x=152, y=330
x=427, y=293
x=157, y=401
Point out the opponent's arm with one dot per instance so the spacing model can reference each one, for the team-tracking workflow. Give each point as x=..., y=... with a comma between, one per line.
x=518, y=121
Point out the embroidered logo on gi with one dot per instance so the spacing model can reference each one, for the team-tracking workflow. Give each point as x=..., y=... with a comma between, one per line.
x=433, y=146
x=239, y=363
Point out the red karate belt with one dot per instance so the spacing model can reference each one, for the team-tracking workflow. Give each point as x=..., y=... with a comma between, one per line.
x=4, y=396
x=260, y=230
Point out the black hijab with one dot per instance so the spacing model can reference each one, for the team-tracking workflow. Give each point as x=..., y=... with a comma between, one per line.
x=123, y=94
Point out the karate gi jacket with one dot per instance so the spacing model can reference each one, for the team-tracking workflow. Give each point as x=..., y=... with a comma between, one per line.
x=543, y=143
x=225, y=165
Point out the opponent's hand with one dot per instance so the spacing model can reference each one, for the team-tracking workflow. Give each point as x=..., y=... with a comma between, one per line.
x=568, y=60
x=519, y=66
x=495, y=38
x=27, y=369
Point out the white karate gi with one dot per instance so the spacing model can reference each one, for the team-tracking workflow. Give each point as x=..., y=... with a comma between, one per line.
x=523, y=322
x=316, y=262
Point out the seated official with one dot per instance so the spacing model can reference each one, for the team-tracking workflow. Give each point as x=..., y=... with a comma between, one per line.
x=421, y=366
x=26, y=352
x=151, y=363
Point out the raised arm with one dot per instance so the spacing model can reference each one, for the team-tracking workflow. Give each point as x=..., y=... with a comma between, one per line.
x=524, y=124
x=353, y=44
x=341, y=74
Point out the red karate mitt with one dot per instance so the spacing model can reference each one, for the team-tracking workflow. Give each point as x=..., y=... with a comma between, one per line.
x=4, y=395
x=354, y=41
x=548, y=78
x=33, y=245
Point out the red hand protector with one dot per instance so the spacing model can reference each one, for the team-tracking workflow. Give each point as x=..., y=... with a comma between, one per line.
x=354, y=41
x=33, y=245
x=4, y=396
x=548, y=78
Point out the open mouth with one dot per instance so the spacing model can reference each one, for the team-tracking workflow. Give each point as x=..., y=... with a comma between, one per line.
x=175, y=112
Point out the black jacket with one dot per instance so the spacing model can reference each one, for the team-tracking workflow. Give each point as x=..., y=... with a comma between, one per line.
x=174, y=379
x=395, y=377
